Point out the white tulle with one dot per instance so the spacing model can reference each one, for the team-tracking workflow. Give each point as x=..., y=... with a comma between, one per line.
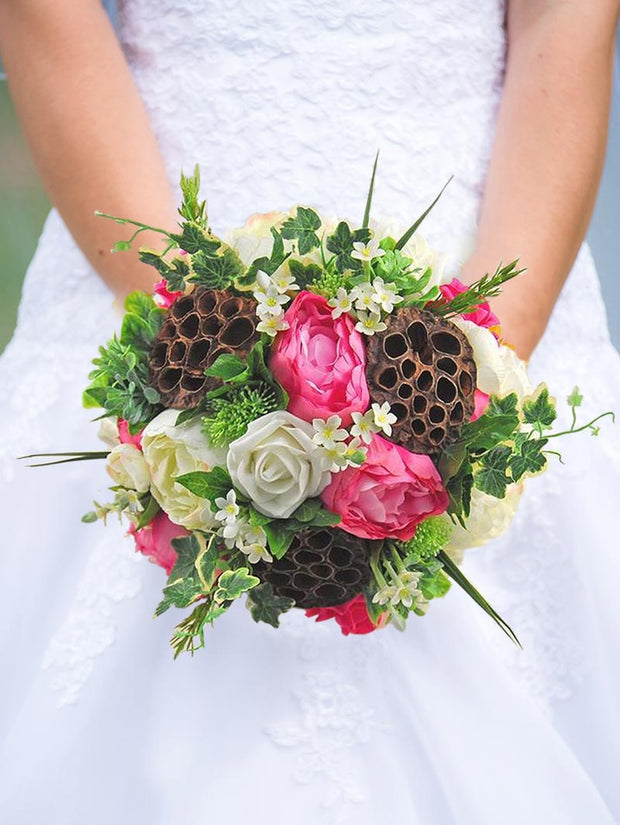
x=445, y=724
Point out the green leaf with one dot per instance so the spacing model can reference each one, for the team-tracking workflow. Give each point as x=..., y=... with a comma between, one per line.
x=304, y=274
x=195, y=238
x=371, y=190
x=539, y=410
x=192, y=209
x=258, y=519
x=308, y=510
x=459, y=489
x=325, y=518
x=457, y=575
x=341, y=241
x=121, y=246
x=416, y=224
x=265, y=606
x=279, y=537
x=492, y=478
x=575, y=398
x=187, y=548
x=210, y=485
x=303, y=228
x=217, y=271
x=489, y=286
x=436, y=586
x=530, y=458
x=180, y=593
x=207, y=562
x=232, y=583
x=227, y=367
x=148, y=514
x=268, y=265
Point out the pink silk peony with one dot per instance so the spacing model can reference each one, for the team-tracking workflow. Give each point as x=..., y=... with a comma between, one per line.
x=352, y=617
x=163, y=297
x=482, y=316
x=125, y=437
x=154, y=541
x=320, y=361
x=388, y=495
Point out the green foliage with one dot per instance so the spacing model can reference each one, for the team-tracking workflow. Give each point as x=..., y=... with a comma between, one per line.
x=281, y=532
x=120, y=385
x=255, y=374
x=528, y=457
x=142, y=322
x=217, y=271
x=232, y=415
x=191, y=208
x=489, y=286
x=400, y=243
x=492, y=477
x=410, y=282
x=266, y=606
x=371, y=190
x=268, y=265
x=179, y=593
x=575, y=399
x=341, y=241
x=539, y=410
x=232, y=583
x=303, y=228
x=175, y=271
x=195, y=237
x=215, y=483
x=188, y=636
x=431, y=536
x=328, y=281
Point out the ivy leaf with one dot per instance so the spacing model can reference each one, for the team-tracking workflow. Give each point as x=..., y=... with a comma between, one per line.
x=187, y=548
x=459, y=489
x=233, y=583
x=267, y=265
x=308, y=510
x=180, y=593
x=279, y=537
x=195, y=238
x=304, y=274
x=530, y=458
x=325, y=518
x=492, y=478
x=227, y=367
x=575, y=398
x=341, y=241
x=435, y=586
x=211, y=485
x=207, y=562
x=539, y=409
x=216, y=271
x=265, y=606
x=303, y=228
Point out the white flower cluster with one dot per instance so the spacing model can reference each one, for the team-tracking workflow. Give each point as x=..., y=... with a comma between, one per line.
x=343, y=448
x=237, y=531
x=366, y=302
x=403, y=590
x=271, y=294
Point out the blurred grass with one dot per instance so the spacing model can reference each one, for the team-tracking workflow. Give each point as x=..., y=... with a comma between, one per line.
x=23, y=207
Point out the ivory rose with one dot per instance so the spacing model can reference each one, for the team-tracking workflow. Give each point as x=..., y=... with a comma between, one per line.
x=155, y=539
x=489, y=518
x=276, y=464
x=320, y=361
x=254, y=239
x=388, y=495
x=126, y=467
x=172, y=451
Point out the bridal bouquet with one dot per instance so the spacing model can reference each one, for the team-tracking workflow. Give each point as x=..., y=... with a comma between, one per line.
x=305, y=415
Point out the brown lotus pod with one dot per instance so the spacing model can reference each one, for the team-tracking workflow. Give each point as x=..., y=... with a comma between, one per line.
x=323, y=567
x=197, y=329
x=423, y=366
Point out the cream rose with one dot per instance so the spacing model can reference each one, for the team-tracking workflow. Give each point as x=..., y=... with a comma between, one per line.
x=276, y=464
x=489, y=518
x=254, y=239
x=500, y=370
x=172, y=451
x=127, y=468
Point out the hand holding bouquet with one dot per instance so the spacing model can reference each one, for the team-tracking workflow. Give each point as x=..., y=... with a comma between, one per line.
x=305, y=415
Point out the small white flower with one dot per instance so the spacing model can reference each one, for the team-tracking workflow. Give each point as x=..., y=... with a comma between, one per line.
x=334, y=457
x=364, y=425
x=255, y=552
x=263, y=280
x=385, y=595
x=270, y=301
x=341, y=303
x=383, y=417
x=406, y=590
x=284, y=282
x=366, y=252
x=354, y=454
x=272, y=324
x=265, y=313
x=251, y=534
x=364, y=298
x=228, y=507
x=385, y=295
x=327, y=432
x=369, y=323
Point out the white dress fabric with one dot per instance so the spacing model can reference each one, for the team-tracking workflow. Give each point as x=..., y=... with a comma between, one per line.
x=445, y=724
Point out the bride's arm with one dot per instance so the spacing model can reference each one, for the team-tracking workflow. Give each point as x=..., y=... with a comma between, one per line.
x=86, y=127
x=548, y=154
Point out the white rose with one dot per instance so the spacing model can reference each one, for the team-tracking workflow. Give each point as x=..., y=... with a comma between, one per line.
x=276, y=464
x=127, y=468
x=108, y=431
x=500, y=371
x=254, y=239
x=173, y=451
x=489, y=518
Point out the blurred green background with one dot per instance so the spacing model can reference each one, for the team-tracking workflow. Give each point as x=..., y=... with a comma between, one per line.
x=23, y=207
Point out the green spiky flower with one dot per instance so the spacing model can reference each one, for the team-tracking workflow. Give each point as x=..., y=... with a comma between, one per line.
x=232, y=415
x=329, y=283
x=431, y=536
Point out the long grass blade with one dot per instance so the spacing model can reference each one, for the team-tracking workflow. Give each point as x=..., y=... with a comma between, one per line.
x=64, y=458
x=371, y=190
x=457, y=575
x=414, y=226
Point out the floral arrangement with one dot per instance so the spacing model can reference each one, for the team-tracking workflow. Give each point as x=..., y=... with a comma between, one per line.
x=309, y=415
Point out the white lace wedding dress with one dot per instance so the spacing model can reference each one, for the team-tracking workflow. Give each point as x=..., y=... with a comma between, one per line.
x=445, y=724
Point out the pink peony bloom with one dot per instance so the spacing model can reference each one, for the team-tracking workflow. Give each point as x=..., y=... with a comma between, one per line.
x=125, y=437
x=320, y=361
x=154, y=540
x=162, y=296
x=483, y=316
x=389, y=495
x=352, y=617
x=481, y=400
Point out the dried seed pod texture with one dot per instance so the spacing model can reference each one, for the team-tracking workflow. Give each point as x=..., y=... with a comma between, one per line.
x=423, y=366
x=197, y=329
x=322, y=568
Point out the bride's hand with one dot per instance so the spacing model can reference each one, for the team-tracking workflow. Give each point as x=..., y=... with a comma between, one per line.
x=87, y=129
